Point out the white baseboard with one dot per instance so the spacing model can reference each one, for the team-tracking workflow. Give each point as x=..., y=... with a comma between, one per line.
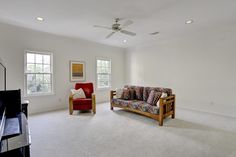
x=57, y=108
x=49, y=110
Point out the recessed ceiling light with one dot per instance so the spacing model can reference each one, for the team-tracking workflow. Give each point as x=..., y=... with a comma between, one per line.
x=154, y=33
x=189, y=21
x=124, y=41
x=39, y=18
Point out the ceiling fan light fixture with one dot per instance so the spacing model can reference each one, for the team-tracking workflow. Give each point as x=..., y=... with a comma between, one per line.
x=124, y=41
x=189, y=21
x=117, y=27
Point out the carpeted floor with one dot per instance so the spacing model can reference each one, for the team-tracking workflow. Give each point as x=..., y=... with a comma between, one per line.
x=120, y=133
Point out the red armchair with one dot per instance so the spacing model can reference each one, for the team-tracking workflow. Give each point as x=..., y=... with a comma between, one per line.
x=88, y=103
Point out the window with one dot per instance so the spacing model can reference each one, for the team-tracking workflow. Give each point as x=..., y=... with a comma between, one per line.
x=103, y=73
x=38, y=73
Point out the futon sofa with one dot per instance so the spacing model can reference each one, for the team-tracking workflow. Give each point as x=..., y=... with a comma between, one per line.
x=164, y=108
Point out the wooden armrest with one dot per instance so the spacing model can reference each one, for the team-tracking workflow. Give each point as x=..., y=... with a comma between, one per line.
x=71, y=100
x=166, y=108
x=112, y=94
x=71, y=96
x=93, y=95
x=167, y=100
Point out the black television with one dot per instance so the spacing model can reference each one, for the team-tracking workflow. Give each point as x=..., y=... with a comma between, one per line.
x=2, y=88
x=3, y=80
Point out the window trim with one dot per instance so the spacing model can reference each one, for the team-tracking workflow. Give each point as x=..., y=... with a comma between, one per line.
x=25, y=74
x=108, y=59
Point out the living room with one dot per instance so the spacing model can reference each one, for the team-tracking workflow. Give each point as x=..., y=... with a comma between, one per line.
x=187, y=46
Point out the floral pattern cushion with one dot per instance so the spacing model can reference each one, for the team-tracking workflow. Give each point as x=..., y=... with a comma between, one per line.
x=145, y=107
x=157, y=96
x=138, y=92
x=121, y=102
x=126, y=94
x=153, y=97
x=147, y=90
x=145, y=93
x=137, y=105
x=132, y=93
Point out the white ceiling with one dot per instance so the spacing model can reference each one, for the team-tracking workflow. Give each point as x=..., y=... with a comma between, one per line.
x=75, y=18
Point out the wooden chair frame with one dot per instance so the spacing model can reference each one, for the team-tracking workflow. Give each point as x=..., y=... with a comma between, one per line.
x=167, y=108
x=71, y=104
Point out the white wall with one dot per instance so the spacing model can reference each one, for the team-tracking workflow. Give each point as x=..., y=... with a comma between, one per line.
x=15, y=40
x=199, y=67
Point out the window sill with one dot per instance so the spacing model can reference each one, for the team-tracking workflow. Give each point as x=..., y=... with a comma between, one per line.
x=38, y=95
x=103, y=89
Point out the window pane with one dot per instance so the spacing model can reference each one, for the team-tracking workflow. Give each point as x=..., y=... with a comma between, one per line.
x=31, y=78
x=30, y=68
x=30, y=58
x=46, y=68
x=106, y=70
x=38, y=68
x=99, y=77
x=99, y=69
x=31, y=88
x=39, y=78
x=46, y=88
x=103, y=63
x=107, y=63
x=47, y=78
x=46, y=59
x=103, y=80
x=39, y=58
x=98, y=63
x=38, y=88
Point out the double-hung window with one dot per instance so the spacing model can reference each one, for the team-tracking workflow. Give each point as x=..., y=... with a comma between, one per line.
x=38, y=73
x=103, y=73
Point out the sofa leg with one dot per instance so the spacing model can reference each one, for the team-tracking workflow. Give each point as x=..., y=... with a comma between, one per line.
x=160, y=121
x=173, y=116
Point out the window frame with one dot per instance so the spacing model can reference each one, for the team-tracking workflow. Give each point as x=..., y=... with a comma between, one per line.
x=110, y=76
x=25, y=73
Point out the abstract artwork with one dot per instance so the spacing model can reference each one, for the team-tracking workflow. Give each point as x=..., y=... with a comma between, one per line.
x=77, y=71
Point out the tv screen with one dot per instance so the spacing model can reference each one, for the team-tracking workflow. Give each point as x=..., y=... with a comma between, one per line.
x=2, y=105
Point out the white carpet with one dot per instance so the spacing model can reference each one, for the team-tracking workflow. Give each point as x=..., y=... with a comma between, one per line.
x=120, y=133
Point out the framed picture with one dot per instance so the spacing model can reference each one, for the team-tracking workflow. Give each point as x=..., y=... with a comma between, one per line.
x=77, y=71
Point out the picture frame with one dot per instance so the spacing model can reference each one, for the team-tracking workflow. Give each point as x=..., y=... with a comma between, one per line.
x=77, y=71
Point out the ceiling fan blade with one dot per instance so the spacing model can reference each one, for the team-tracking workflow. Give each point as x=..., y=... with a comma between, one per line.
x=127, y=23
x=102, y=27
x=128, y=32
x=109, y=35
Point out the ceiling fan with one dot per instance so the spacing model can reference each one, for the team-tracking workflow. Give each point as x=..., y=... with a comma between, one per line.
x=116, y=27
